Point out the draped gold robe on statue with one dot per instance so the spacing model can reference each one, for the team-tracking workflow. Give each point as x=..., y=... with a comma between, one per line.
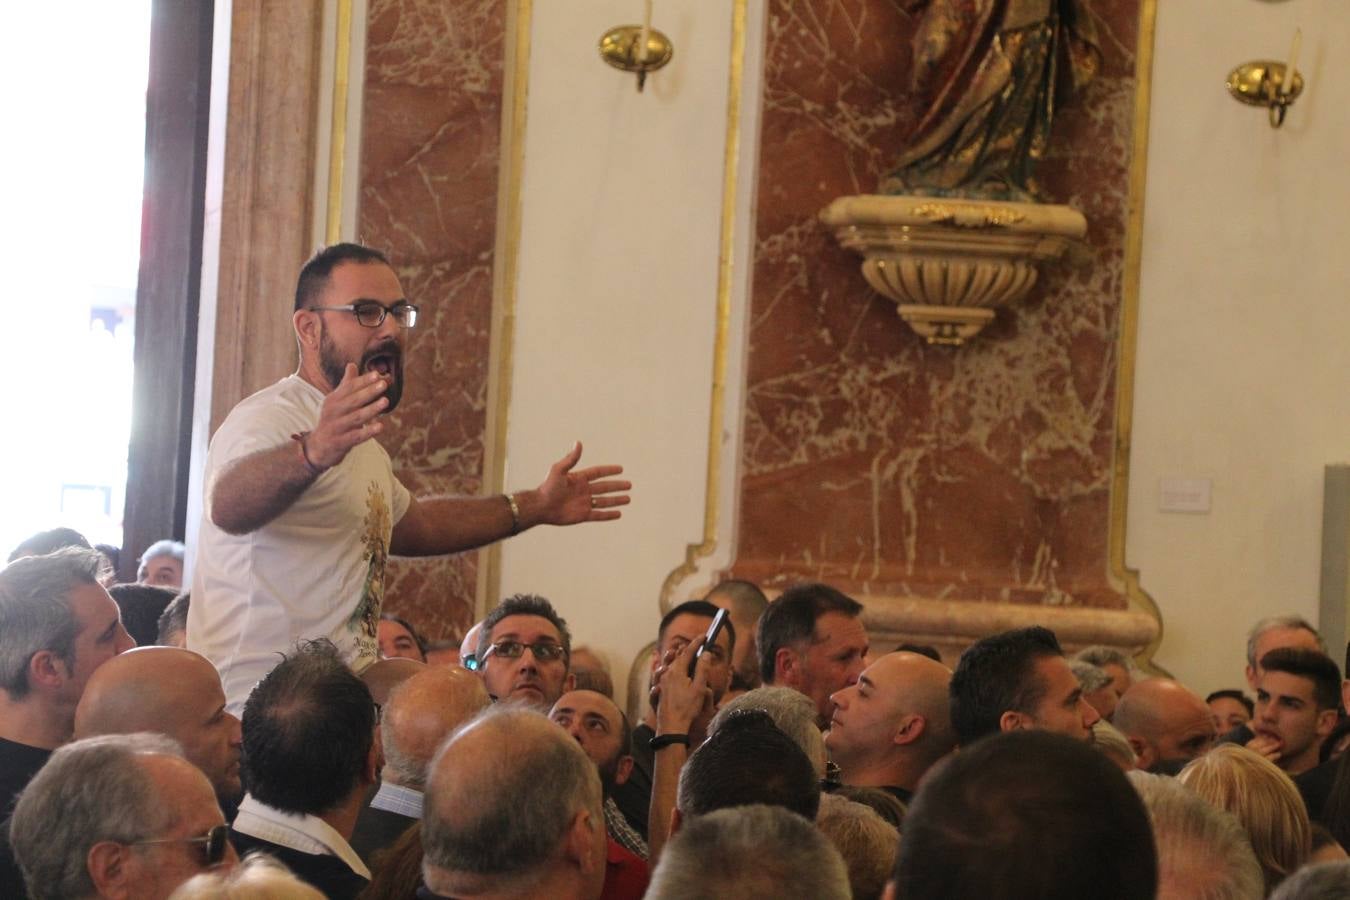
x=991, y=73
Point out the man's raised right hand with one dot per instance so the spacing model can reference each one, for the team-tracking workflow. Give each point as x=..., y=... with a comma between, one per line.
x=347, y=417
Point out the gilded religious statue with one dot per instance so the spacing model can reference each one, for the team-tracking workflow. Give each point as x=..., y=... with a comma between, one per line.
x=991, y=73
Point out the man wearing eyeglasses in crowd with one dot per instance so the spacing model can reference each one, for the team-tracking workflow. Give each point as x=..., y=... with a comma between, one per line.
x=524, y=653
x=302, y=507
x=118, y=816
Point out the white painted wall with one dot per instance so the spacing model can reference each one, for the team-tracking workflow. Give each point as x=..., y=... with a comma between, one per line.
x=617, y=299
x=1240, y=359
x=1242, y=353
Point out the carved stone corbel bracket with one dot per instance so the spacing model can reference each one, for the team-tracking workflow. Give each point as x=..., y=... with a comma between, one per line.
x=949, y=263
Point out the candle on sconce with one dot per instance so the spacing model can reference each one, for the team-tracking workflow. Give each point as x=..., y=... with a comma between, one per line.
x=645, y=33
x=1287, y=84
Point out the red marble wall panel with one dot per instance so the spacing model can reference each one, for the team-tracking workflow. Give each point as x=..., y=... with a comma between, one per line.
x=879, y=463
x=429, y=169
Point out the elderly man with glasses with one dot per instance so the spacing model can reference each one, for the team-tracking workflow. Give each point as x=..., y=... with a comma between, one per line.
x=302, y=507
x=118, y=816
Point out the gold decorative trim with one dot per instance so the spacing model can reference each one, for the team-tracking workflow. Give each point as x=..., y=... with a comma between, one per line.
x=515, y=88
x=969, y=216
x=1129, y=332
x=727, y=246
x=337, y=145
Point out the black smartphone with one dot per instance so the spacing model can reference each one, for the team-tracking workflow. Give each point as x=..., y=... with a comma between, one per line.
x=710, y=639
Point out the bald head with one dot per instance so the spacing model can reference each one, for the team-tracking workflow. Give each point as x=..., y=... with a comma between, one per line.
x=382, y=676
x=420, y=713
x=894, y=723
x=1166, y=724
x=527, y=842
x=171, y=691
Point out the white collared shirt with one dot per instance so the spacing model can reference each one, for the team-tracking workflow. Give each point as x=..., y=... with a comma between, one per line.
x=306, y=833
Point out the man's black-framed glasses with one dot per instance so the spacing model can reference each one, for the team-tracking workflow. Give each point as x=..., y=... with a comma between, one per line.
x=214, y=843
x=371, y=313
x=544, y=651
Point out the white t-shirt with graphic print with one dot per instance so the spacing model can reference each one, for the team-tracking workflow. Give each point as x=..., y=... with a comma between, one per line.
x=317, y=570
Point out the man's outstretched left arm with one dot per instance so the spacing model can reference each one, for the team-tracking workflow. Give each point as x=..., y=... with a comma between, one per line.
x=567, y=496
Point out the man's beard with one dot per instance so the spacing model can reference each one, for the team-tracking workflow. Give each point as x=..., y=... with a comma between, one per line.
x=389, y=353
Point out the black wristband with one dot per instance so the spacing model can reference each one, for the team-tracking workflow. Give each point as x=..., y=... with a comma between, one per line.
x=665, y=740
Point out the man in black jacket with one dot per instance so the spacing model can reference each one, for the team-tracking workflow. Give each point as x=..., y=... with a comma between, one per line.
x=310, y=756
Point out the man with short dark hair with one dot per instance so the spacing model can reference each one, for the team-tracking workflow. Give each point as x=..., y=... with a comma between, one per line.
x=893, y=725
x=524, y=652
x=172, y=692
x=541, y=835
x=1166, y=724
x=420, y=713
x=1297, y=705
x=302, y=509
x=684, y=624
x=310, y=755
x=141, y=606
x=57, y=626
x=811, y=639
x=1018, y=680
x=121, y=816
x=172, y=625
x=747, y=761
x=1271, y=633
x=1230, y=709
x=1026, y=814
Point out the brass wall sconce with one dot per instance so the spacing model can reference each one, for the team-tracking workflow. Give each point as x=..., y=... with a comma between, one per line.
x=1274, y=85
x=636, y=48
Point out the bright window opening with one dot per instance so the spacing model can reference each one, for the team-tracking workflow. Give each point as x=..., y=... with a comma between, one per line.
x=74, y=157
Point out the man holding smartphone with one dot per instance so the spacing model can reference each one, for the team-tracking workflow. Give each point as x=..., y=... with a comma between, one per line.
x=684, y=625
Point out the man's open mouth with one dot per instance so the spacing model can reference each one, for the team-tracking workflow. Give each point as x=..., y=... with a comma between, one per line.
x=385, y=360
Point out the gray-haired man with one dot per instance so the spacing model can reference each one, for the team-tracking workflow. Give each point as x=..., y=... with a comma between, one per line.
x=57, y=625
x=121, y=816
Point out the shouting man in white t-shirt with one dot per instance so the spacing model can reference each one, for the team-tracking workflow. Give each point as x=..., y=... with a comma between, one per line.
x=302, y=506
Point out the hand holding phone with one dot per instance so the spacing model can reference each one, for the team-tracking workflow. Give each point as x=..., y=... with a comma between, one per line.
x=710, y=639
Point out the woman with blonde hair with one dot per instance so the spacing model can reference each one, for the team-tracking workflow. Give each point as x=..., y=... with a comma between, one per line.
x=1263, y=798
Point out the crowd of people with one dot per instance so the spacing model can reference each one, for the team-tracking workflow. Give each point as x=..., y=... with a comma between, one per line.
x=791, y=758
x=270, y=729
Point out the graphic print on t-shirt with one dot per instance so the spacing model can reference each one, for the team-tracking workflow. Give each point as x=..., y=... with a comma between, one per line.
x=365, y=620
